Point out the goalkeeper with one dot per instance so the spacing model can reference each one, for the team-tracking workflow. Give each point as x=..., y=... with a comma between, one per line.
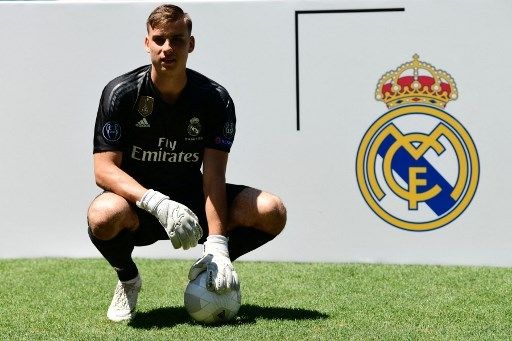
x=156, y=127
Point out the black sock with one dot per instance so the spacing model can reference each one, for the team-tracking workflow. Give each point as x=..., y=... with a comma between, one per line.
x=243, y=240
x=118, y=252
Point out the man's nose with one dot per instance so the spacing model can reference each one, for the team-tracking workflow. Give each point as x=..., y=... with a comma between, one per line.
x=167, y=46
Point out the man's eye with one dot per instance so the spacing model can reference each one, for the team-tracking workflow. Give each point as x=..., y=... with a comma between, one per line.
x=177, y=41
x=159, y=40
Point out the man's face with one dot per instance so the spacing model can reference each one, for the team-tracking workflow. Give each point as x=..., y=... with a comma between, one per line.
x=169, y=46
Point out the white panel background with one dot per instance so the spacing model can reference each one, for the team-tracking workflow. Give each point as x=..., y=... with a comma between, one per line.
x=464, y=38
x=56, y=61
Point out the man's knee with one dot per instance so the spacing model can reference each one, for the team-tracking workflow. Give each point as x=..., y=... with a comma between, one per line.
x=108, y=214
x=273, y=212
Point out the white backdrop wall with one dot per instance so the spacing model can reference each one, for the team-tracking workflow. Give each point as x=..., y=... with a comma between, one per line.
x=57, y=56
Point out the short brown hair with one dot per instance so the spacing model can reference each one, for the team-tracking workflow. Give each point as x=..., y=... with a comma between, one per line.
x=165, y=14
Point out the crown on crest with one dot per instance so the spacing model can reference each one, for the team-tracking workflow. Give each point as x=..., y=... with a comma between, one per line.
x=416, y=82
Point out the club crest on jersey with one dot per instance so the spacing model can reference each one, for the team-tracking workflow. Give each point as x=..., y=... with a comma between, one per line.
x=111, y=131
x=417, y=166
x=194, y=127
x=145, y=105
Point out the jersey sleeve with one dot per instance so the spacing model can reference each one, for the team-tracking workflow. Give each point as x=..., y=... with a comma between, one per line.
x=222, y=123
x=108, y=129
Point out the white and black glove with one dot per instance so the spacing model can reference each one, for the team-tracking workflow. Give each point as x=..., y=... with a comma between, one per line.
x=221, y=275
x=180, y=223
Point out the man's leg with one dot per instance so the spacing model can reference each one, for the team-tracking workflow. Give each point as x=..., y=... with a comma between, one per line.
x=255, y=218
x=111, y=222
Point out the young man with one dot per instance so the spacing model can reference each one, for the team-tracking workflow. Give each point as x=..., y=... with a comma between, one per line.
x=156, y=126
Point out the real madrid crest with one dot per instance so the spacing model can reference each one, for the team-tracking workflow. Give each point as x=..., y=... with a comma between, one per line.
x=194, y=127
x=417, y=166
x=145, y=105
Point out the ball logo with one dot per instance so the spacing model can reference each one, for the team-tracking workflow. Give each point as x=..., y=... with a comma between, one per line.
x=417, y=166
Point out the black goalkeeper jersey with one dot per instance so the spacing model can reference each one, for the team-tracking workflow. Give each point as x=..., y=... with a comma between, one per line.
x=163, y=144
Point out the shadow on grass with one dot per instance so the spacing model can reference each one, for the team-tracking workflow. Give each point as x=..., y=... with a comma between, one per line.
x=248, y=314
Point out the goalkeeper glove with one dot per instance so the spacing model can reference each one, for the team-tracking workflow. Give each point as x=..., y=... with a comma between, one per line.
x=180, y=223
x=221, y=275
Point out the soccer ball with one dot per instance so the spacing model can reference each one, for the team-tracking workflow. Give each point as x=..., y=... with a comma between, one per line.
x=208, y=307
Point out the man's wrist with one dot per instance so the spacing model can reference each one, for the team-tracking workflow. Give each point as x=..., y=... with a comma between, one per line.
x=150, y=200
x=216, y=244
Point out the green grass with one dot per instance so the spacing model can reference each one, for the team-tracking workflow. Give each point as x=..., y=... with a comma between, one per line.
x=64, y=299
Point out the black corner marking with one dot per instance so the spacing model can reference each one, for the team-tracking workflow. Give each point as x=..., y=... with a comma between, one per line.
x=332, y=11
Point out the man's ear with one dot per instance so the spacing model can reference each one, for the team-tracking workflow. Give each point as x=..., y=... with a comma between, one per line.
x=146, y=44
x=192, y=44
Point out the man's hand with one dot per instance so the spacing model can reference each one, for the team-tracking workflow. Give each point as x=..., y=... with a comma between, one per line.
x=221, y=275
x=180, y=223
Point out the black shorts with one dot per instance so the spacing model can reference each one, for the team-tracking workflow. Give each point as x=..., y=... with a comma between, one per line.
x=150, y=230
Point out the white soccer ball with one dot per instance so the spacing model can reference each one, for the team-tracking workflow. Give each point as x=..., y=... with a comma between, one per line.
x=208, y=307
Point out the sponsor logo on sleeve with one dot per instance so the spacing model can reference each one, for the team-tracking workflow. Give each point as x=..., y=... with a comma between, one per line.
x=223, y=142
x=229, y=130
x=111, y=131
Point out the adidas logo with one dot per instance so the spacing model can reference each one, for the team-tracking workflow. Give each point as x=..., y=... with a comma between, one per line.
x=143, y=123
